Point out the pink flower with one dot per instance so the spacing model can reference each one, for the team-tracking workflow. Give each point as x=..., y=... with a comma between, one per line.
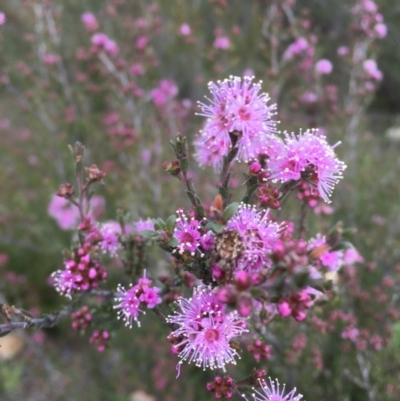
x=90, y=21
x=370, y=6
x=352, y=256
x=258, y=236
x=272, y=392
x=100, y=39
x=136, y=69
x=109, y=242
x=238, y=115
x=141, y=225
x=323, y=67
x=190, y=234
x=165, y=92
x=141, y=42
x=310, y=158
x=381, y=30
x=51, y=59
x=343, y=51
x=371, y=68
x=3, y=18
x=222, y=42
x=111, y=47
x=297, y=47
x=130, y=301
x=205, y=330
x=333, y=260
x=64, y=212
x=185, y=30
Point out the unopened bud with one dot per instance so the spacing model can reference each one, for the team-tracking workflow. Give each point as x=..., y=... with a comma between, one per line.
x=95, y=174
x=65, y=190
x=172, y=167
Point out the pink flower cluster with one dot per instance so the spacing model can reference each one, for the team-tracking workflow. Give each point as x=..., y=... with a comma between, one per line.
x=131, y=300
x=238, y=115
x=67, y=214
x=307, y=157
x=81, y=273
x=100, y=338
x=102, y=41
x=164, y=92
x=81, y=318
x=205, y=330
x=191, y=235
x=258, y=235
x=296, y=305
x=273, y=392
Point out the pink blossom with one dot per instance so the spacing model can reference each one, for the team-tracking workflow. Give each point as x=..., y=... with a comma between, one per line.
x=309, y=97
x=351, y=256
x=90, y=21
x=237, y=112
x=323, y=67
x=343, y=51
x=100, y=39
x=205, y=330
x=136, y=69
x=369, y=6
x=222, y=42
x=381, y=30
x=3, y=18
x=309, y=157
x=110, y=232
x=273, y=392
x=164, y=92
x=141, y=42
x=300, y=45
x=371, y=68
x=185, y=30
x=332, y=260
x=51, y=59
x=257, y=235
x=130, y=301
x=65, y=213
x=111, y=47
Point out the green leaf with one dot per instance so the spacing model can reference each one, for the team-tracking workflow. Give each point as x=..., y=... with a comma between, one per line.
x=159, y=224
x=147, y=234
x=171, y=222
x=173, y=242
x=230, y=210
x=217, y=228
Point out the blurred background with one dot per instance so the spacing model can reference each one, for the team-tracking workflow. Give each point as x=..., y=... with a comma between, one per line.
x=123, y=77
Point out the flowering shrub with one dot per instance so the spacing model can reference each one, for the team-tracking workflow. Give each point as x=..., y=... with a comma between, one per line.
x=243, y=279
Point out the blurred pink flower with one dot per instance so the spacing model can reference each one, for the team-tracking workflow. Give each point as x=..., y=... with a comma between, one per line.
x=111, y=47
x=323, y=67
x=343, y=51
x=90, y=21
x=381, y=30
x=372, y=70
x=185, y=30
x=165, y=91
x=3, y=18
x=99, y=39
x=67, y=215
x=51, y=59
x=141, y=42
x=3, y=259
x=136, y=69
x=64, y=212
x=222, y=42
x=369, y=6
x=297, y=47
x=309, y=97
